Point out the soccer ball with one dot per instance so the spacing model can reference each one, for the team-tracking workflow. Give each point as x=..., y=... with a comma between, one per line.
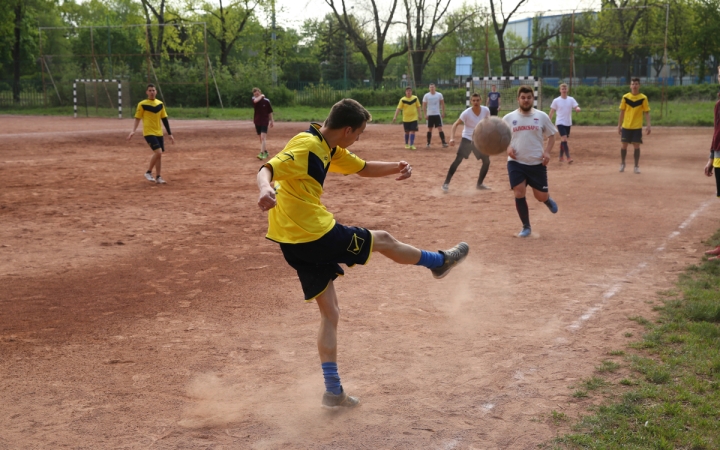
x=492, y=136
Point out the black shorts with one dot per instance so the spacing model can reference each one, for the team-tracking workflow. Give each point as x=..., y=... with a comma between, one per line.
x=633, y=136
x=434, y=121
x=410, y=126
x=717, y=180
x=564, y=130
x=467, y=147
x=261, y=129
x=536, y=176
x=493, y=110
x=317, y=262
x=155, y=142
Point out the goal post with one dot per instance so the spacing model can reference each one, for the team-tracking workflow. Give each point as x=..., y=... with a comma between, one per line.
x=472, y=81
x=81, y=80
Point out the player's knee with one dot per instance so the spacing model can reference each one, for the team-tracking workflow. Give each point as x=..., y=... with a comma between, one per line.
x=382, y=240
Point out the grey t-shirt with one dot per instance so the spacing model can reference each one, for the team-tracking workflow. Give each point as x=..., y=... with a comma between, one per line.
x=528, y=134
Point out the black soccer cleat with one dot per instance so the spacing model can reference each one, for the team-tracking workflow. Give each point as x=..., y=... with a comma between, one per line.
x=453, y=257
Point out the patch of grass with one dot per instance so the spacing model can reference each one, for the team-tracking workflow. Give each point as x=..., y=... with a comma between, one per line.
x=608, y=366
x=616, y=353
x=674, y=401
x=558, y=417
x=594, y=383
x=628, y=334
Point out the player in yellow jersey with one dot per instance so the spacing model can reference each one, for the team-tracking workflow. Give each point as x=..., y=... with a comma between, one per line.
x=313, y=243
x=410, y=107
x=152, y=111
x=632, y=108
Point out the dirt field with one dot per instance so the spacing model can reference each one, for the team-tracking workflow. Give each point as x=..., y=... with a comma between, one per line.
x=142, y=316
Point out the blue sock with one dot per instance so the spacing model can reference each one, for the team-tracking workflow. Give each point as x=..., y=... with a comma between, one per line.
x=431, y=260
x=412, y=139
x=407, y=135
x=332, y=379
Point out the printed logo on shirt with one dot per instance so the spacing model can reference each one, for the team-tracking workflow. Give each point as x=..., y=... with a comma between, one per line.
x=514, y=122
x=526, y=128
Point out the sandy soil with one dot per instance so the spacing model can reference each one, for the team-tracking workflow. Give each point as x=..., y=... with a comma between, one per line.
x=142, y=316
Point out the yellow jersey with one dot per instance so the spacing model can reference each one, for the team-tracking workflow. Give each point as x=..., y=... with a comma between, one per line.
x=409, y=107
x=634, y=107
x=299, y=172
x=151, y=112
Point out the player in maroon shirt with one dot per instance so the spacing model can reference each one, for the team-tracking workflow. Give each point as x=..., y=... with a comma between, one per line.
x=714, y=162
x=262, y=119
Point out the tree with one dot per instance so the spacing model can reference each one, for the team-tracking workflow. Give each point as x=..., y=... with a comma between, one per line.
x=528, y=51
x=227, y=22
x=155, y=48
x=705, y=36
x=424, y=41
x=365, y=41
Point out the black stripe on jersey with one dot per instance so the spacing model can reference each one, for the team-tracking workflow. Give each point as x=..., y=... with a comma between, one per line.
x=409, y=102
x=316, y=168
x=153, y=109
x=634, y=103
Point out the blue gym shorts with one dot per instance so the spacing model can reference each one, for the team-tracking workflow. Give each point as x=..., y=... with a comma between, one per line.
x=564, y=130
x=155, y=142
x=317, y=262
x=536, y=176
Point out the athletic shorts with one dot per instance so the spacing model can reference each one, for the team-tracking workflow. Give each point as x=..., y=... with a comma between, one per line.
x=493, y=110
x=564, y=130
x=261, y=129
x=410, y=126
x=434, y=121
x=317, y=262
x=155, y=142
x=467, y=147
x=633, y=136
x=536, y=176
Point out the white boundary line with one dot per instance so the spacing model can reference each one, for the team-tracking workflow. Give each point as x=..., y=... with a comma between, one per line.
x=617, y=286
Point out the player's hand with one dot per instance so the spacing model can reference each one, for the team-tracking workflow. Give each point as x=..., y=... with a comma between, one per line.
x=511, y=153
x=452, y=141
x=546, y=159
x=577, y=109
x=620, y=130
x=393, y=121
x=266, y=200
x=647, y=129
x=405, y=170
x=132, y=133
x=172, y=138
x=272, y=124
x=708, y=169
x=443, y=114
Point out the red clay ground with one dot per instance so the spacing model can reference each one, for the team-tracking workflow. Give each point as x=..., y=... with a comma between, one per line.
x=142, y=316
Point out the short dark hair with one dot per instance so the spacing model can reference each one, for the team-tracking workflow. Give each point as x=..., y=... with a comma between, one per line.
x=150, y=85
x=475, y=94
x=635, y=80
x=408, y=88
x=525, y=90
x=347, y=113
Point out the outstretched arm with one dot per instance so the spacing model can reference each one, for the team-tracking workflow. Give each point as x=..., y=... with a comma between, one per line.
x=452, y=131
x=266, y=199
x=374, y=169
x=132, y=133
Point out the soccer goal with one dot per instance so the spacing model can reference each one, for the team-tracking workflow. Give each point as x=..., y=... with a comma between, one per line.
x=99, y=92
x=507, y=86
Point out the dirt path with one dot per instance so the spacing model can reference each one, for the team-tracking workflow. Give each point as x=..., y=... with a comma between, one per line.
x=143, y=316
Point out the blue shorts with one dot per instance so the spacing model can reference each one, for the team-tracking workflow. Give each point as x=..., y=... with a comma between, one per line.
x=155, y=142
x=536, y=176
x=564, y=130
x=317, y=262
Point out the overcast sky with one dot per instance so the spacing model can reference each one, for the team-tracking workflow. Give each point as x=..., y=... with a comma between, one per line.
x=293, y=13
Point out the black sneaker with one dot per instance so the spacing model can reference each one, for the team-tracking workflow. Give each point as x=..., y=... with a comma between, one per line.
x=453, y=257
x=341, y=400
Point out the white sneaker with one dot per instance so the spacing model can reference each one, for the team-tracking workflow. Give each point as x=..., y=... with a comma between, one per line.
x=149, y=177
x=445, y=187
x=159, y=180
x=637, y=169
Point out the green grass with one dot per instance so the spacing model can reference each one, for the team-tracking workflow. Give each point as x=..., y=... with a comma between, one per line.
x=699, y=113
x=671, y=396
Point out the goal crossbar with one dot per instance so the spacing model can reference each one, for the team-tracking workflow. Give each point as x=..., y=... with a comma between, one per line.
x=82, y=80
x=470, y=81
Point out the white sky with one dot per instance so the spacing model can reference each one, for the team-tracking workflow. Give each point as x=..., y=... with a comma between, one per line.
x=293, y=13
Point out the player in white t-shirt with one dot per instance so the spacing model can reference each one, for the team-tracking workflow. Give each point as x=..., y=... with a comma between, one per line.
x=469, y=118
x=434, y=107
x=527, y=159
x=564, y=105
